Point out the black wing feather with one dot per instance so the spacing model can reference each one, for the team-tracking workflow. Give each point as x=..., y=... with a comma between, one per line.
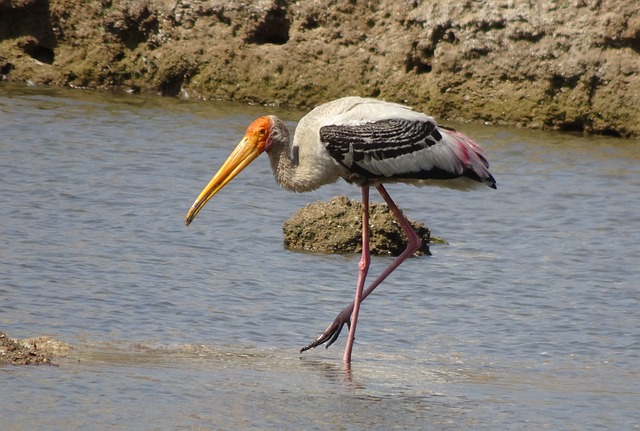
x=353, y=144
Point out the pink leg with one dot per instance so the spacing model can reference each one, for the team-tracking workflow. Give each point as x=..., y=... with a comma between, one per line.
x=363, y=268
x=331, y=334
x=413, y=244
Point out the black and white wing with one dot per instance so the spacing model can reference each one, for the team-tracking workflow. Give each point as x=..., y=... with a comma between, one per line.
x=402, y=145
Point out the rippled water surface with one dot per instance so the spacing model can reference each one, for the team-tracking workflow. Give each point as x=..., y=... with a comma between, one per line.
x=529, y=318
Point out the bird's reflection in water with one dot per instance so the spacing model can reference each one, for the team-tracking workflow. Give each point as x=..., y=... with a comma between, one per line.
x=338, y=373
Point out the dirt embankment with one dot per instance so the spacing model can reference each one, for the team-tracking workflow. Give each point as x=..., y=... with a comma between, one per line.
x=567, y=65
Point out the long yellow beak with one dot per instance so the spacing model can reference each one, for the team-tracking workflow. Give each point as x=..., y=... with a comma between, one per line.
x=245, y=152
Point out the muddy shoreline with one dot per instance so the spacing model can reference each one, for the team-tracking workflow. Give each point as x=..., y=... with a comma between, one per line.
x=31, y=351
x=571, y=66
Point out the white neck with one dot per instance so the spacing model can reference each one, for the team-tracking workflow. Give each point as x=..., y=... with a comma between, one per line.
x=301, y=167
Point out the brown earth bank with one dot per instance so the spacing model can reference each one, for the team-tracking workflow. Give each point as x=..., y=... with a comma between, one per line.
x=567, y=65
x=30, y=351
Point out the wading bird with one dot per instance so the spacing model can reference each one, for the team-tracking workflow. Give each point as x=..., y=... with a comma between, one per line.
x=367, y=142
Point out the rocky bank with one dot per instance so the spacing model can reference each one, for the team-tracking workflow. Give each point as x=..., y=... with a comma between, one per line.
x=568, y=65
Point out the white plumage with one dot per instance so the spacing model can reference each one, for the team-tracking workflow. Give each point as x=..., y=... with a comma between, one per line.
x=453, y=153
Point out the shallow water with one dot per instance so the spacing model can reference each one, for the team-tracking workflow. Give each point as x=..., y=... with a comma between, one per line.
x=528, y=318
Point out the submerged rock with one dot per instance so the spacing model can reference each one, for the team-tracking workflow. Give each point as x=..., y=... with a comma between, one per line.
x=336, y=227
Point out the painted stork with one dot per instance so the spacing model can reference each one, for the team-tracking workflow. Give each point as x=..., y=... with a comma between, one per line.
x=366, y=142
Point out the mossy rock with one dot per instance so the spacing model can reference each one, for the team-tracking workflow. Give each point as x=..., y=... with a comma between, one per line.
x=336, y=227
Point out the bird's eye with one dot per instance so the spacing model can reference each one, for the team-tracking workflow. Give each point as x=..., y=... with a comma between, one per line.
x=262, y=131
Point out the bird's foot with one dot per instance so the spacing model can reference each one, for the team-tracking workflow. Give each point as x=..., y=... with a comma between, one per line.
x=330, y=335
